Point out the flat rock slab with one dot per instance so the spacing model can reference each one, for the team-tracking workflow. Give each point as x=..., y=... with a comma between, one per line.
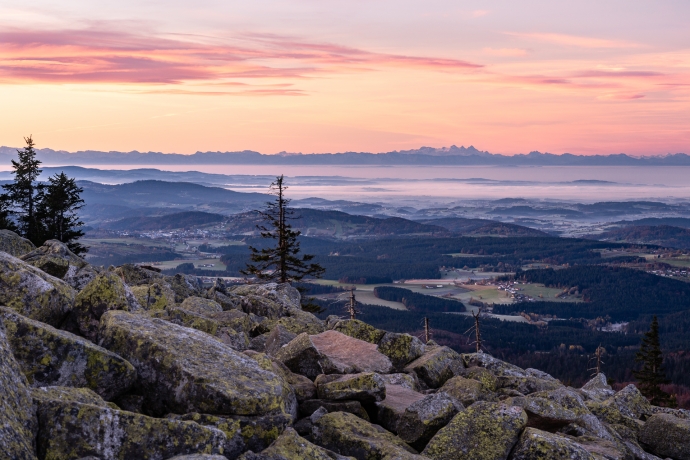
x=51, y=357
x=391, y=409
x=331, y=352
x=365, y=387
x=32, y=292
x=182, y=370
x=18, y=423
x=351, y=355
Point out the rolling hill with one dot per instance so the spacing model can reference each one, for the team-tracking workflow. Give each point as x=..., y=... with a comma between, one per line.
x=483, y=227
x=661, y=235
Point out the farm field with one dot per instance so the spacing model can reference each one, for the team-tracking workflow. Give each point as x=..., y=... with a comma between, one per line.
x=165, y=265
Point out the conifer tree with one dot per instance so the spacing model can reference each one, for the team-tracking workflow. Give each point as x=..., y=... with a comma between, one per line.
x=652, y=375
x=24, y=194
x=280, y=263
x=6, y=222
x=58, y=212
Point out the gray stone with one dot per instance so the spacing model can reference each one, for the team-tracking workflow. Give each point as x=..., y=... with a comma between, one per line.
x=291, y=446
x=436, y=366
x=483, y=431
x=32, y=292
x=13, y=244
x=364, y=387
x=667, y=436
x=391, y=410
x=309, y=407
x=18, y=424
x=183, y=370
x=347, y=434
x=55, y=258
x=423, y=418
x=51, y=357
x=278, y=337
x=401, y=349
x=540, y=445
x=597, y=388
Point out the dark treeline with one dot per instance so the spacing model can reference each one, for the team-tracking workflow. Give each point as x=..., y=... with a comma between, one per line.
x=418, y=302
x=316, y=289
x=409, y=258
x=623, y=294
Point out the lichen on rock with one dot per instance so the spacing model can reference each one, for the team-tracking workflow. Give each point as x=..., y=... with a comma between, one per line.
x=32, y=292
x=18, y=424
x=483, y=431
x=55, y=258
x=183, y=370
x=52, y=357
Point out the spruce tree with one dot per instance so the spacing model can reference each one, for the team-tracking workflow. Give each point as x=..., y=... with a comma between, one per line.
x=58, y=212
x=25, y=193
x=281, y=262
x=652, y=374
x=6, y=222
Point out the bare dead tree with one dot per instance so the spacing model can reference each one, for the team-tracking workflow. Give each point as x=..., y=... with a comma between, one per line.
x=599, y=352
x=427, y=332
x=476, y=329
x=352, y=306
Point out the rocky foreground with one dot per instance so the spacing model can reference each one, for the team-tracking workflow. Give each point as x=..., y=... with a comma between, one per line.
x=126, y=363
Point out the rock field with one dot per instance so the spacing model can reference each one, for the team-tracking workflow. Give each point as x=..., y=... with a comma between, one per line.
x=126, y=363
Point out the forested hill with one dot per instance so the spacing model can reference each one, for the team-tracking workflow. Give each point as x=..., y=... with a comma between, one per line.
x=661, y=235
x=483, y=227
x=178, y=220
x=623, y=294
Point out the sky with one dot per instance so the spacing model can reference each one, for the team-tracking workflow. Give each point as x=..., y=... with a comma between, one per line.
x=586, y=77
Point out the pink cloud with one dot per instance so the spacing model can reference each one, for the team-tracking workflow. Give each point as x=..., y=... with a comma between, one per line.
x=105, y=56
x=505, y=52
x=575, y=40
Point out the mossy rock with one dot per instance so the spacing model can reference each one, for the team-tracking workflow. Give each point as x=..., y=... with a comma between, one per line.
x=290, y=446
x=467, y=391
x=283, y=294
x=52, y=357
x=106, y=292
x=667, y=436
x=14, y=244
x=302, y=387
x=34, y=293
x=527, y=385
x=191, y=319
x=540, y=445
x=436, y=366
x=67, y=395
x=348, y=434
x=134, y=275
x=195, y=457
x=483, y=431
x=183, y=286
x=242, y=433
x=309, y=407
x=401, y=348
x=366, y=387
x=298, y=321
x=55, y=258
x=484, y=376
x=544, y=414
x=71, y=430
x=358, y=329
x=183, y=370
x=631, y=403
x=18, y=424
x=154, y=296
x=496, y=366
x=277, y=338
x=201, y=306
x=423, y=418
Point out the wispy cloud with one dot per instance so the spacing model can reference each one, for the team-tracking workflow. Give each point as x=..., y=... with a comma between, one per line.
x=504, y=52
x=106, y=56
x=479, y=13
x=575, y=40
